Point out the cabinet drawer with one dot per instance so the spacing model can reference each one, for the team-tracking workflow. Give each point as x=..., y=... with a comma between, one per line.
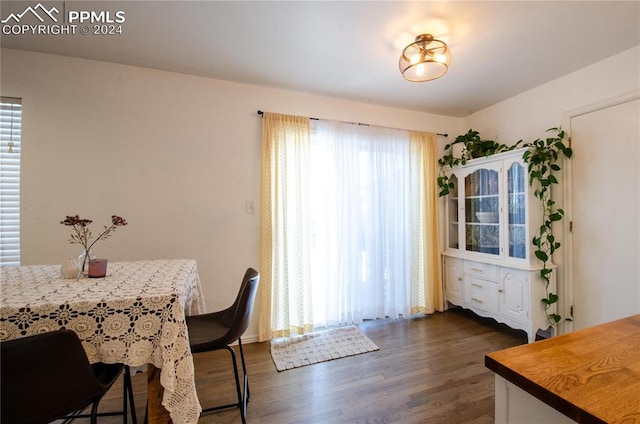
x=481, y=294
x=478, y=269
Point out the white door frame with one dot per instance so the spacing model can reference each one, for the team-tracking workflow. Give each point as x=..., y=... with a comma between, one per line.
x=567, y=301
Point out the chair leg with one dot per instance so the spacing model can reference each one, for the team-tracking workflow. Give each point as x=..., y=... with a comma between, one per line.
x=238, y=389
x=241, y=398
x=128, y=390
x=247, y=392
x=94, y=412
x=125, y=402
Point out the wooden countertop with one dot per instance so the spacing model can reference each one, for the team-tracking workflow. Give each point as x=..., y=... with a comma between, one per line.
x=591, y=375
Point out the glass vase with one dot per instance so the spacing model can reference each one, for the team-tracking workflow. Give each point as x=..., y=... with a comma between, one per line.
x=83, y=262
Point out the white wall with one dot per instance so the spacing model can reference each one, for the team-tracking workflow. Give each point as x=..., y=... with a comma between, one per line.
x=528, y=115
x=176, y=155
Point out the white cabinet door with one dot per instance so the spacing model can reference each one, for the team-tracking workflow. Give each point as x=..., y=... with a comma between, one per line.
x=454, y=279
x=513, y=294
x=454, y=213
x=482, y=206
x=515, y=211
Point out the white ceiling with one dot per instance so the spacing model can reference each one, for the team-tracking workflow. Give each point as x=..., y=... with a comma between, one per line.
x=351, y=49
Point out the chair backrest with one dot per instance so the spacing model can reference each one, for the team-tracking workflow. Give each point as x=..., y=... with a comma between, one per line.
x=243, y=306
x=45, y=377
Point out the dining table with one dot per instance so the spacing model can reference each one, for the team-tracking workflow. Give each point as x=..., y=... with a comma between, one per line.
x=135, y=315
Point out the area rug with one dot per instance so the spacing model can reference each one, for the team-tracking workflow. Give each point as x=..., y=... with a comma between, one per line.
x=321, y=346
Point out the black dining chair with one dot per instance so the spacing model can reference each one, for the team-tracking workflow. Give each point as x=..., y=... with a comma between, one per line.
x=47, y=377
x=218, y=330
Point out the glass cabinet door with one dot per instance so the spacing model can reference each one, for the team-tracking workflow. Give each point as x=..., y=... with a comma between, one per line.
x=517, y=211
x=482, y=207
x=453, y=240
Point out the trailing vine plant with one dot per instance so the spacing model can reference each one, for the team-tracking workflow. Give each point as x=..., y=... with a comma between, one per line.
x=542, y=158
x=472, y=147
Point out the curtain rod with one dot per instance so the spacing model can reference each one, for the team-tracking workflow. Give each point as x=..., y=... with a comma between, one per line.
x=261, y=113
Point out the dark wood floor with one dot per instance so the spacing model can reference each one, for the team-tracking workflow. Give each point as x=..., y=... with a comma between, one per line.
x=428, y=370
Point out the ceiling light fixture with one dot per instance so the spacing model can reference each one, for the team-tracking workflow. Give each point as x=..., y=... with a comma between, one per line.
x=425, y=59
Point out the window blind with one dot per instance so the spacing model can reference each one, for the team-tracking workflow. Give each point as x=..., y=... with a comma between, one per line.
x=10, y=144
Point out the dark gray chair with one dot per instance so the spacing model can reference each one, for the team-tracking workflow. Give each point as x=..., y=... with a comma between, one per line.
x=47, y=377
x=218, y=330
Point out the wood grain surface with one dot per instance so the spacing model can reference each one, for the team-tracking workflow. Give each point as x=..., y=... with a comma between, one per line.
x=591, y=375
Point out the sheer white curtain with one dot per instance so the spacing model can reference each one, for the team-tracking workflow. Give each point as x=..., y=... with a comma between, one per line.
x=348, y=224
x=360, y=220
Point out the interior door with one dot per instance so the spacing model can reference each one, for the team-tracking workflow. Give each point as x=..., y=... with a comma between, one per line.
x=605, y=191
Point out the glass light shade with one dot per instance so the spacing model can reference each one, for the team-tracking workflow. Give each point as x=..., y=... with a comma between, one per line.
x=425, y=59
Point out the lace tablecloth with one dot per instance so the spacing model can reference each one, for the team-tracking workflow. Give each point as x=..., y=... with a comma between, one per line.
x=135, y=315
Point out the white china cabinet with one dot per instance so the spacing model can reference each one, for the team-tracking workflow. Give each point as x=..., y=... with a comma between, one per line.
x=489, y=267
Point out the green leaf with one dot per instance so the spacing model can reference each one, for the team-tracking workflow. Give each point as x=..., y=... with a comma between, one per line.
x=542, y=256
x=555, y=318
x=555, y=216
x=545, y=272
